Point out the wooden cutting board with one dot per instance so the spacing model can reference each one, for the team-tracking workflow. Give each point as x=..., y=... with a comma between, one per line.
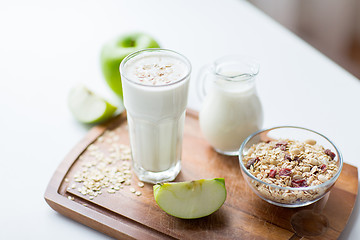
x=244, y=215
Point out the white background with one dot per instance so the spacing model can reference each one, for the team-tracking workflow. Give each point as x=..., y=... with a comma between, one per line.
x=47, y=47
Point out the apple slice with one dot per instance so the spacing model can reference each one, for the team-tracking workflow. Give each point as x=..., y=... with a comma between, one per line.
x=192, y=199
x=88, y=107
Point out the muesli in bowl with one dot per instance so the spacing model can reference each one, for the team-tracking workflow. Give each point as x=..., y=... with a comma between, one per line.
x=290, y=166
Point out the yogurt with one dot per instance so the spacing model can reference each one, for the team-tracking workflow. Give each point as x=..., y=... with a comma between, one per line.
x=155, y=86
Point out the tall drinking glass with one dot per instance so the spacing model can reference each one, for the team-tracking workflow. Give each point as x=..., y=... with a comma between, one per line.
x=155, y=86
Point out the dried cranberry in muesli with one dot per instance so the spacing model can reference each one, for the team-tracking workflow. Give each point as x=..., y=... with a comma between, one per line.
x=272, y=173
x=285, y=172
x=330, y=153
x=323, y=167
x=251, y=162
x=290, y=163
x=298, y=183
x=281, y=144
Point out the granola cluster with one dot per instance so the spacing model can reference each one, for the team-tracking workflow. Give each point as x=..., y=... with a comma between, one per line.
x=290, y=163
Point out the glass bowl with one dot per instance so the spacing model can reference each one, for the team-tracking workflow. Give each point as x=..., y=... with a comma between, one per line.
x=291, y=197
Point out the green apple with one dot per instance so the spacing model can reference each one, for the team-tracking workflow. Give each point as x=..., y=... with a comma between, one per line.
x=192, y=199
x=88, y=107
x=116, y=50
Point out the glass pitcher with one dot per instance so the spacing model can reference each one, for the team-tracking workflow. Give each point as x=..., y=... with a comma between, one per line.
x=231, y=108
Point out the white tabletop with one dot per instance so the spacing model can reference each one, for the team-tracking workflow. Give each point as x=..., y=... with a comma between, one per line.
x=48, y=47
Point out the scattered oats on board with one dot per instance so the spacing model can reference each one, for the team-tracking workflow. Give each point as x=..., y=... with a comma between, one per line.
x=104, y=167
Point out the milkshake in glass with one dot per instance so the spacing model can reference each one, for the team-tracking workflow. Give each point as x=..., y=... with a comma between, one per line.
x=155, y=86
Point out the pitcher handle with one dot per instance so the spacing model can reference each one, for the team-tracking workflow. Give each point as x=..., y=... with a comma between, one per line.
x=200, y=83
